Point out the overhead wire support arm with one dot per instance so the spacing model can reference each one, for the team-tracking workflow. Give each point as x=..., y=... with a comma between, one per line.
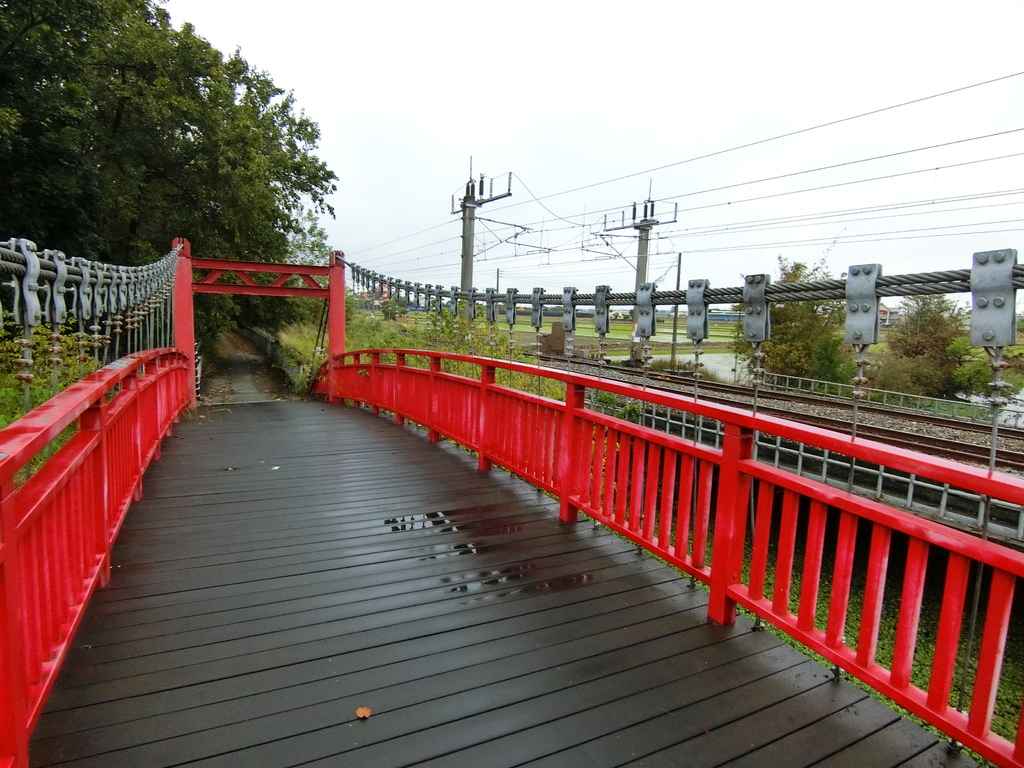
x=643, y=227
x=475, y=196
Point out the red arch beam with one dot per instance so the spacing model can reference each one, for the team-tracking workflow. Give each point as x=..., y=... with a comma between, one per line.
x=245, y=272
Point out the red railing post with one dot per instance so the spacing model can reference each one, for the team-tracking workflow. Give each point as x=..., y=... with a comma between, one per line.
x=335, y=323
x=484, y=418
x=398, y=379
x=184, y=313
x=566, y=468
x=435, y=396
x=13, y=702
x=93, y=419
x=730, y=522
x=375, y=378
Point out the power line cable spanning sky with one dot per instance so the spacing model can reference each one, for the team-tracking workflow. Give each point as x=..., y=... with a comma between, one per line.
x=558, y=238
x=791, y=134
x=593, y=110
x=717, y=153
x=793, y=220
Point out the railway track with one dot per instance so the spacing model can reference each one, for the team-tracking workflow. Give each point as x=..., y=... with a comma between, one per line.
x=955, y=439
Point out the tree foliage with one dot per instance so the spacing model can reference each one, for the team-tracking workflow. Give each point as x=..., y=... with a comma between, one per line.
x=929, y=352
x=119, y=133
x=805, y=335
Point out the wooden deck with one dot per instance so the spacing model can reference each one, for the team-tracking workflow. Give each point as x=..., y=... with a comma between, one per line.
x=294, y=561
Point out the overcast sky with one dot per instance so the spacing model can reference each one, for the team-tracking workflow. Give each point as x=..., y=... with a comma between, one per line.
x=587, y=102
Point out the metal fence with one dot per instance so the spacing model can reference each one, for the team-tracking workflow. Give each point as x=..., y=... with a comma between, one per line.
x=108, y=310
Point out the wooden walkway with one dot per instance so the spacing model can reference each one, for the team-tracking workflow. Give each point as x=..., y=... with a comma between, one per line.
x=293, y=561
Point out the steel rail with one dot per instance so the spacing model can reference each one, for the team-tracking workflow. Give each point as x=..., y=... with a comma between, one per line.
x=733, y=393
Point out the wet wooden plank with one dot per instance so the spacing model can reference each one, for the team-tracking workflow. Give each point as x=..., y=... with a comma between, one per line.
x=293, y=561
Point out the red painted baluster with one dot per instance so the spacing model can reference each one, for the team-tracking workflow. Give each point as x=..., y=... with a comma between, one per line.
x=1018, y=752
x=654, y=461
x=762, y=539
x=730, y=523
x=785, y=554
x=702, y=514
x=638, y=460
x=684, y=504
x=910, y=613
x=13, y=699
x=611, y=458
x=399, y=399
x=874, y=590
x=947, y=641
x=668, y=493
x=990, y=657
x=568, y=462
x=842, y=577
x=811, y=577
x=622, y=479
x=375, y=382
x=435, y=395
x=597, y=469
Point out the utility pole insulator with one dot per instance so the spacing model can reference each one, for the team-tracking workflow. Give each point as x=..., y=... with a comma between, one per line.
x=643, y=228
x=473, y=199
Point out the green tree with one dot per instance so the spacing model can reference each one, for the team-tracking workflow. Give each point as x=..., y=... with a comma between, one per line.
x=928, y=351
x=805, y=335
x=307, y=244
x=51, y=194
x=119, y=132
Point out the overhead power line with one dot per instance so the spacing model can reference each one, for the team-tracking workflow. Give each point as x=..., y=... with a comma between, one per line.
x=717, y=153
x=772, y=138
x=929, y=169
x=841, y=165
x=404, y=237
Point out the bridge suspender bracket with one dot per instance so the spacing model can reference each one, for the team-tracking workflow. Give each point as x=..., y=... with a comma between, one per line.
x=492, y=305
x=757, y=325
x=697, y=324
x=645, y=318
x=568, y=310
x=510, y=306
x=862, y=304
x=993, y=299
x=537, y=310
x=602, y=317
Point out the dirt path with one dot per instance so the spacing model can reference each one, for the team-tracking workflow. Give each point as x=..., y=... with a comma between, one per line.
x=242, y=375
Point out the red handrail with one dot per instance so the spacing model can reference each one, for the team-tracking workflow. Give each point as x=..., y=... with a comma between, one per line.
x=57, y=528
x=690, y=504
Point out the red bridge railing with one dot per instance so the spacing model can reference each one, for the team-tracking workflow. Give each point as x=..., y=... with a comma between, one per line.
x=58, y=525
x=845, y=575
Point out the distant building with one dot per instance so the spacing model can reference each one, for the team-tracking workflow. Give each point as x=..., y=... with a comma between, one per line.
x=887, y=316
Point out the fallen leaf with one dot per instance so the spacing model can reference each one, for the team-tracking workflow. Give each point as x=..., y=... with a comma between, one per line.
x=230, y=469
x=363, y=712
